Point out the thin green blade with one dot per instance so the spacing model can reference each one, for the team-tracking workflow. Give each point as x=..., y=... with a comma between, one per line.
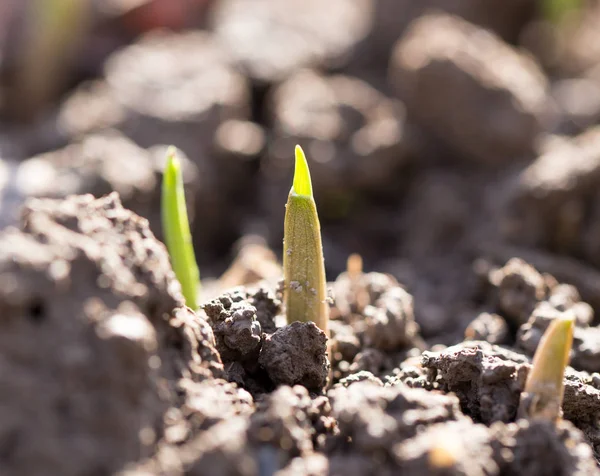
x=176, y=230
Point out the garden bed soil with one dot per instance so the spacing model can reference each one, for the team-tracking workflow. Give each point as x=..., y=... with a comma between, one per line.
x=448, y=177
x=107, y=371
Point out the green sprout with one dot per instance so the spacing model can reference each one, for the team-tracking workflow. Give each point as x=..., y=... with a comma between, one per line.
x=544, y=389
x=176, y=230
x=305, y=287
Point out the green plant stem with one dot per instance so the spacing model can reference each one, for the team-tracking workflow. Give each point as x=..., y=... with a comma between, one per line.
x=305, y=286
x=176, y=230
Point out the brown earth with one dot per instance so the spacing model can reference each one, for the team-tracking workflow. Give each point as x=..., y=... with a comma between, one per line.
x=461, y=167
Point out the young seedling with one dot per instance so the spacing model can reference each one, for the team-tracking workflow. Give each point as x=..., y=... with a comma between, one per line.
x=305, y=287
x=543, y=394
x=176, y=230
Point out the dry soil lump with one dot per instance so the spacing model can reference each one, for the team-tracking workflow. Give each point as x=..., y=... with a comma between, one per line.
x=95, y=164
x=296, y=354
x=484, y=99
x=489, y=379
x=507, y=18
x=282, y=428
x=176, y=89
x=182, y=89
x=554, y=203
x=89, y=298
x=270, y=39
x=236, y=327
x=353, y=134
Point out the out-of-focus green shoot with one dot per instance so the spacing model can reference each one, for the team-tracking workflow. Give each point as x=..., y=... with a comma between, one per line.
x=53, y=32
x=305, y=287
x=176, y=230
x=556, y=11
x=543, y=394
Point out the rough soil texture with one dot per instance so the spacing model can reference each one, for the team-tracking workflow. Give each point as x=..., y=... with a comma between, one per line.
x=290, y=355
x=296, y=354
x=93, y=329
x=117, y=337
x=461, y=167
x=447, y=82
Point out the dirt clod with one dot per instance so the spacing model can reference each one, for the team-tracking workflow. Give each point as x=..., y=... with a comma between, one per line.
x=89, y=297
x=268, y=306
x=390, y=324
x=236, y=328
x=539, y=448
x=448, y=82
x=372, y=418
x=296, y=355
x=487, y=384
x=489, y=327
x=454, y=447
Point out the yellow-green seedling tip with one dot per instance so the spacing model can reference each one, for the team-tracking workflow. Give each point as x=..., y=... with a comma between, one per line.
x=172, y=168
x=305, y=286
x=543, y=395
x=302, y=184
x=176, y=230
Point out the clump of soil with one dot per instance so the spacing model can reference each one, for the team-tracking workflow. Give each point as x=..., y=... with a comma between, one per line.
x=289, y=355
x=506, y=18
x=96, y=164
x=233, y=389
x=447, y=81
x=443, y=173
x=553, y=203
x=298, y=34
x=94, y=338
x=354, y=125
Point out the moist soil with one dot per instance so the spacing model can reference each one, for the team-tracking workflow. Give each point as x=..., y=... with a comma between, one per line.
x=472, y=194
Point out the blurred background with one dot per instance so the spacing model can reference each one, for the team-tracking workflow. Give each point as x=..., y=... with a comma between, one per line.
x=444, y=136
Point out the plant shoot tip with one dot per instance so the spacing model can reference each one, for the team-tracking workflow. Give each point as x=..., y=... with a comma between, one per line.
x=302, y=184
x=172, y=156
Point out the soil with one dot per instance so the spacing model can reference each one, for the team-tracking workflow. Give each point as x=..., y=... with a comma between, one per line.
x=460, y=167
x=93, y=319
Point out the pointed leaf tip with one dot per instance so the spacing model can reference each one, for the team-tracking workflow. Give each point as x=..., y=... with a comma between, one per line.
x=552, y=355
x=172, y=159
x=543, y=394
x=302, y=184
x=172, y=172
x=564, y=336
